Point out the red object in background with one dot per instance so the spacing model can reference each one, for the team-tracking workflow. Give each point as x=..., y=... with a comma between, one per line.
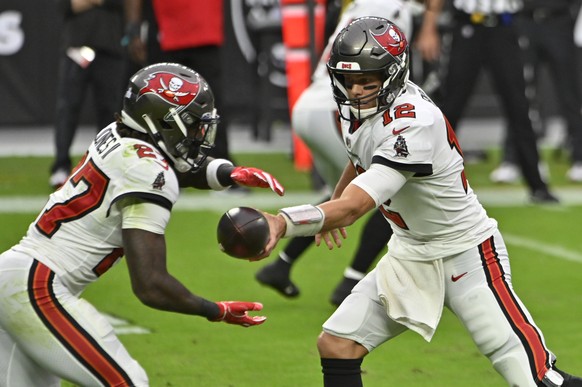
x=297, y=40
x=189, y=23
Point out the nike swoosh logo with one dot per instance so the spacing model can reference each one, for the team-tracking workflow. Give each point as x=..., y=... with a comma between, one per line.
x=458, y=277
x=397, y=132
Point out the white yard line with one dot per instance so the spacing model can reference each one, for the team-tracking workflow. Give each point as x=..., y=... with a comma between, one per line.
x=213, y=201
x=219, y=201
x=556, y=251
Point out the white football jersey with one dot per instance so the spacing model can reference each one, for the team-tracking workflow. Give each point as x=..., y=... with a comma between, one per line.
x=78, y=233
x=436, y=213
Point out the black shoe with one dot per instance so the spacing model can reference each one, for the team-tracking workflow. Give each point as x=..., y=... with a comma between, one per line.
x=569, y=380
x=59, y=177
x=275, y=277
x=543, y=196
x=342, y=291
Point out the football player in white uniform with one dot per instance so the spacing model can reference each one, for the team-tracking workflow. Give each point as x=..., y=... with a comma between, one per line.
x=445, y=250
x=314, y=120
x=116, y=203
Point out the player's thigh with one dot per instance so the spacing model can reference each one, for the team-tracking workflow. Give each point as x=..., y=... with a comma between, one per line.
x=88, y=351
x=61, y=333
x=361, y=317
x=17, y=369
x=469, y=297
x=480, y=294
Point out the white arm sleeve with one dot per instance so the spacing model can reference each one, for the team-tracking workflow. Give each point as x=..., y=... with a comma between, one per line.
x=381, y=182
x=145, y=216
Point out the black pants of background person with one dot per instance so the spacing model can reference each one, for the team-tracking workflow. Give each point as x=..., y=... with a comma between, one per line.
x=492, y=43
x=104, y=76
x=205, y=60
x=549, y=38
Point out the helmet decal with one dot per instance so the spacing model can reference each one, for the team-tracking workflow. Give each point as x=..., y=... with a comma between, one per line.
x=391, y=40
x=170, y=87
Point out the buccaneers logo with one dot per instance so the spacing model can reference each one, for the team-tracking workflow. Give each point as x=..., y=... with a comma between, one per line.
x=159, y=182
x=391, y=39
x=171, y=88
x=400, y=147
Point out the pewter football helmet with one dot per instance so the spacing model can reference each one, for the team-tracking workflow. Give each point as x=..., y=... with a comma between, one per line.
x=369, y=44
x=175, y=106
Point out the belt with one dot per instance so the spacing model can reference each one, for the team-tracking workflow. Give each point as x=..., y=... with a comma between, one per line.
x=543, y=14
x=485, y=19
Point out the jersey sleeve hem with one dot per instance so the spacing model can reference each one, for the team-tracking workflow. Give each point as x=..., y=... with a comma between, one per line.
x=147, y=197
x=418, y=169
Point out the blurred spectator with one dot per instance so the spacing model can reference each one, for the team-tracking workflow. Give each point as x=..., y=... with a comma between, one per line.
x=191, y=32
x=314, y=119
x=91, y=56
x=546, y=30
x=484, y=35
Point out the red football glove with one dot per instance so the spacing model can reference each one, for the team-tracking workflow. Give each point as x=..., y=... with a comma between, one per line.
x=235, y=312
x=254, y=177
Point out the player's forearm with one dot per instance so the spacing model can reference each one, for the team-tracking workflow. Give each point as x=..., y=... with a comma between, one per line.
x=346, y=210
x=166, y=293
x=434, y=6
x=308, y=220
x=347, y=176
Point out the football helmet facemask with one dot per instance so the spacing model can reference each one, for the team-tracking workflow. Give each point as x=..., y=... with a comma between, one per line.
x=369, y=44
x=174, y=105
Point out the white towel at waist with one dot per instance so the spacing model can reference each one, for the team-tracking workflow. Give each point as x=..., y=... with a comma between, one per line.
x=412, y=292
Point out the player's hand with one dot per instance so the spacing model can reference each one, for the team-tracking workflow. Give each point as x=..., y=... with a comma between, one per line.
x=254, y=177
x=332, y=237
x=236, y=312
x=277, y=228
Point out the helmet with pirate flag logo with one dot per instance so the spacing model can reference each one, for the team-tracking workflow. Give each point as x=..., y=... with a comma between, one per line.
x=369, y=45
x=174, y=105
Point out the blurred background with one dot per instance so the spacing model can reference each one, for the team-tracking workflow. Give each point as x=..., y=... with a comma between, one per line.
x=254, y=88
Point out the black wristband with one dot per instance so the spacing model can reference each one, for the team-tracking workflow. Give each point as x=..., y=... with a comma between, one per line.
x=223, y=175
x=210, y=310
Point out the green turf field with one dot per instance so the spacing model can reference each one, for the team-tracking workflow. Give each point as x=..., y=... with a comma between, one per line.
x=544, y=243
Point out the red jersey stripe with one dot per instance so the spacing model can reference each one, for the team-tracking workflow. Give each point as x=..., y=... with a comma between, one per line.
x=525, y=330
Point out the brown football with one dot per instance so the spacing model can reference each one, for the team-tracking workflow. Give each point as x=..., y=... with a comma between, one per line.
x=242, y=232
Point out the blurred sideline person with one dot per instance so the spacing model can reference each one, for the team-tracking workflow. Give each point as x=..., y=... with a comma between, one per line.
x=192, y=33
x=484, y=35
x=117, y=202
x=546, y=29
x=91, y=57
x=315, y=121
x=445, y=250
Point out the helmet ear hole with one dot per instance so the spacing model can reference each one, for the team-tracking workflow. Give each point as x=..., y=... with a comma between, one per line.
x=393, y=69
x=187, y=119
